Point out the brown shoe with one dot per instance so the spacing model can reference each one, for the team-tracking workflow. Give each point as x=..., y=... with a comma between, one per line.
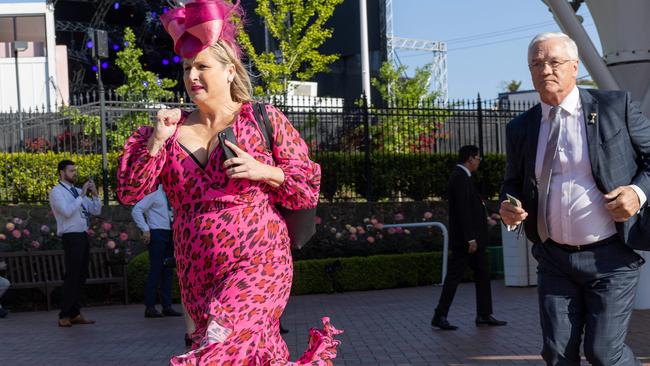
x=65, y=322
x=81, y=320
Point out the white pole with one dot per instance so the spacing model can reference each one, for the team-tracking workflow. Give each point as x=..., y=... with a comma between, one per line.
x=570, y=24
x=365, y=63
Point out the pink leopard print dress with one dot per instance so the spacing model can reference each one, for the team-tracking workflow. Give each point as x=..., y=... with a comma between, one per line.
x=231, y=245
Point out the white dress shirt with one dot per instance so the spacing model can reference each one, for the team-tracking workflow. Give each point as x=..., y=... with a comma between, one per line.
x=69, y=211
x=576, y=212
x=155, y=209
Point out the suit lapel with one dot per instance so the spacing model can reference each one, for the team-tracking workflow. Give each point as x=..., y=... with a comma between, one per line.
x=532, y=137
x=590, y=115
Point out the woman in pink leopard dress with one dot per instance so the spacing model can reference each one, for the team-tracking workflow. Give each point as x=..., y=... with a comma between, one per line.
x=231, y=244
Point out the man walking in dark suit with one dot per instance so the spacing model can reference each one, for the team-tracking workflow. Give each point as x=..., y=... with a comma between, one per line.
x=579, y=165
x=468, y=234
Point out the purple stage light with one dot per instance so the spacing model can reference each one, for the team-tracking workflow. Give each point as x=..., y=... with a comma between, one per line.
x=165, y=61
x=116, y=5
x=104, y=65
x=116, y=47
x=176, y=59
x=89, y=44
x=94, y=68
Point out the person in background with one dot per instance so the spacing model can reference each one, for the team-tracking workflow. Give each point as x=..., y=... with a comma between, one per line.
x=468, y=235
x=4, y=286
x=72, y=208
x=153, y=216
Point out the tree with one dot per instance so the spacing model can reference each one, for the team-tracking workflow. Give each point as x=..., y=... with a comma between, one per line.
x=393, y=85
x=298, y=26
x=511, y=86
x=140, y=86
x=412, y=123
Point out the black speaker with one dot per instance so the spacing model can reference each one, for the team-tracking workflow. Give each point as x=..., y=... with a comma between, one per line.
x=101, y=44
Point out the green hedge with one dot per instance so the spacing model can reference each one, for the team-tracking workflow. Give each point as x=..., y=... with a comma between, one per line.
x=27, y=177
x=330, y=275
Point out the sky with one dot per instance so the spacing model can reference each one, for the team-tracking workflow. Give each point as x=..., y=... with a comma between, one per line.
x=487, y=40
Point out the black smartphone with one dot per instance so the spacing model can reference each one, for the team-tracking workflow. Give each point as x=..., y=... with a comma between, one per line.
x=227, y=135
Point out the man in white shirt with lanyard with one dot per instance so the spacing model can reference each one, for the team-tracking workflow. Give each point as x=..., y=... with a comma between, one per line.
x=72, y=208
x=153, y=216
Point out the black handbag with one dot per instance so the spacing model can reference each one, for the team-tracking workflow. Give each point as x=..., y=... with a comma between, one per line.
x=300, y=223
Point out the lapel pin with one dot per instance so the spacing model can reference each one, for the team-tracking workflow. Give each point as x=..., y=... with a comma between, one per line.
x=592, y=118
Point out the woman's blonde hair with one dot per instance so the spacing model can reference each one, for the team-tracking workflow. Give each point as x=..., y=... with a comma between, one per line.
x=240, y=88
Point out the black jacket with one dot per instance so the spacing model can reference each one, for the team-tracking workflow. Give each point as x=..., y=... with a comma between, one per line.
x=467, y=214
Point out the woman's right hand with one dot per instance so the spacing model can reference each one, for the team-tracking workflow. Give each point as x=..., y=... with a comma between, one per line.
x=166, y=122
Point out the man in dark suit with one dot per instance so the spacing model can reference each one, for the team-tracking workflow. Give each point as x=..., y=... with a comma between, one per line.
x=468, y=234
x=579, y=165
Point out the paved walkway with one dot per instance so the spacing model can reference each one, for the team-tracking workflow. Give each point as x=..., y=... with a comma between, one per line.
x=389, y=327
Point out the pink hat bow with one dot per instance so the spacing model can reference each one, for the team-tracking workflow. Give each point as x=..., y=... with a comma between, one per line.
x=195, y=26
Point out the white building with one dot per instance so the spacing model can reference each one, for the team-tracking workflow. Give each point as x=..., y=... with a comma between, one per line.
x=28, y=26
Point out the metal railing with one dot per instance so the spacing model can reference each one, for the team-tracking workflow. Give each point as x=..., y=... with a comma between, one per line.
x=361, y=136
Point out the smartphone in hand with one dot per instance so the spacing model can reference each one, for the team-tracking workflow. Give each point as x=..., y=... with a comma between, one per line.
x=513, y=200
x=228, y=135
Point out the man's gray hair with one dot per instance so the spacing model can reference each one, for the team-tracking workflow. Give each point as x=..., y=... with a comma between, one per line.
x=569, y=45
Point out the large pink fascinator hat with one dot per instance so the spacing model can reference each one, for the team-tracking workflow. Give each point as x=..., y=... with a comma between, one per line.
x=197, y=24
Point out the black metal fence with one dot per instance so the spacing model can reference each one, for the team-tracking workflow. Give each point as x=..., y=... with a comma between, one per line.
x=32, y=142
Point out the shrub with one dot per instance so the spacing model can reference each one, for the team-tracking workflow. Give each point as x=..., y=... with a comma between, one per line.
x=27, y=177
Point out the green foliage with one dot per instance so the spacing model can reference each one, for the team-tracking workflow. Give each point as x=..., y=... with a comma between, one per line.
x=298, y=27
x=393, y=85
x=417, y=176
x=418, y=128
x=137, y=271
x=511, y=86
x=329, y=275
x=140, y=85
x=28, y=177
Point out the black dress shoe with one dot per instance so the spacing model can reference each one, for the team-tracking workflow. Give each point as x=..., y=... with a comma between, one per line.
x=171, y=312
x=283, y=330
x=488, y=320
x=188, y=341
x=152, y=313
x=442, y=323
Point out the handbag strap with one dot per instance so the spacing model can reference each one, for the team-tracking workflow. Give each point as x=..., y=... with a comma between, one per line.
x=262, y=119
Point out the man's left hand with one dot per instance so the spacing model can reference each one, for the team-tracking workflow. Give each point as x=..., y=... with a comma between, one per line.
x=624, y=203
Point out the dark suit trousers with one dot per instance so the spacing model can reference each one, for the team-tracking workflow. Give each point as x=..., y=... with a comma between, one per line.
x=591, y=291
x=456, y=269
x=160, y=247
x=76, y=248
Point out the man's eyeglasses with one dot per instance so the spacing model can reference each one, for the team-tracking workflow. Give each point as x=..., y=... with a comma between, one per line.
x=554, y=64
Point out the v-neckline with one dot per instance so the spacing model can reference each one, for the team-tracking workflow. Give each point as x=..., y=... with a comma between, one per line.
x=195, y=159
x=210, y=153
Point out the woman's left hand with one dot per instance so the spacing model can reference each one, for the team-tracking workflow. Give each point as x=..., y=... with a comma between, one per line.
x=245, y=166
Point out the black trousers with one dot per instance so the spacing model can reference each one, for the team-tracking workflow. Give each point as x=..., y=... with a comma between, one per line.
x=586, y=297
x=77, y=251
x=477, y=261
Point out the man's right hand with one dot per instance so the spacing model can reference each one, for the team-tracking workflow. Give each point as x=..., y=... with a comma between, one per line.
x=146, y=237
x=85, y=188
x=511, y=214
